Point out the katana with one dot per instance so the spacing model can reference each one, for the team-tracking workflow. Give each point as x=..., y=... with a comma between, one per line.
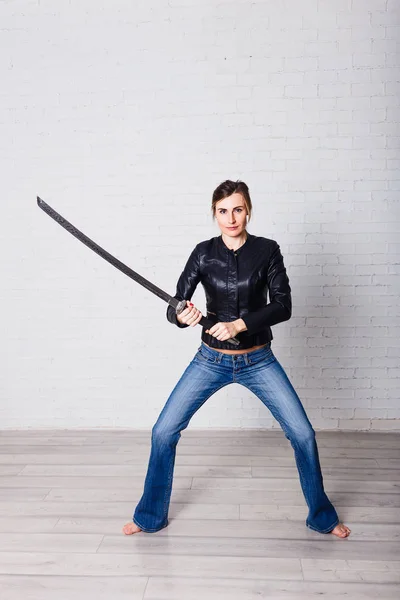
x=178, y=305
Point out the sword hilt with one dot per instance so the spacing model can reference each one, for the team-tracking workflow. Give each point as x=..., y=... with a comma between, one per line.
x=205, y=321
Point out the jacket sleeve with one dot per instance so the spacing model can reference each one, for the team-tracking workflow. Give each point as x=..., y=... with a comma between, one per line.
x=280, y=307
x=187, y=283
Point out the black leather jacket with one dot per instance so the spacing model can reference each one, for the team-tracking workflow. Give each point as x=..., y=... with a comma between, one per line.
x=236, y=285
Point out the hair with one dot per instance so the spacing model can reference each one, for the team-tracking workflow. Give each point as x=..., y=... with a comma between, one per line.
x=227, y=188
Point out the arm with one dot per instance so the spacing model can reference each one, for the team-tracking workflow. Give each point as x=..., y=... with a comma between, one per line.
x=186, y=285
x=280, y=307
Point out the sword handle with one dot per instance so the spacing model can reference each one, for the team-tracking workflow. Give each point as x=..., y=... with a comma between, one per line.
x=205, y=321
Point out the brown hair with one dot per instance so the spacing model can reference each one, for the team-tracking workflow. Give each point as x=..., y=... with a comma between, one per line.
x=227, y=188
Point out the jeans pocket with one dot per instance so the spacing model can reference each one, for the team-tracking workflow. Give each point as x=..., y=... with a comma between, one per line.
x=204, y=357
x=261, y=356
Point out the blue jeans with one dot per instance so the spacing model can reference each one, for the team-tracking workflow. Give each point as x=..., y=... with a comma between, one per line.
x=209, y=371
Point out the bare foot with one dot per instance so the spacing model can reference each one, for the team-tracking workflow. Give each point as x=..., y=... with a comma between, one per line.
x=341, y=530
x=130, y=527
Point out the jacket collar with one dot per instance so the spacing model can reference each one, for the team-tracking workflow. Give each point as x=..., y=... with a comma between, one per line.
x=222, y=244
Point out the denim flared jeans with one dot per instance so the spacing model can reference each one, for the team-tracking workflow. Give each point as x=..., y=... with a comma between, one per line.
x=209, y=371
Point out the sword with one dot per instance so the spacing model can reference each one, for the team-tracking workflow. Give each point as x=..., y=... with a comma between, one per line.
x=179, y=305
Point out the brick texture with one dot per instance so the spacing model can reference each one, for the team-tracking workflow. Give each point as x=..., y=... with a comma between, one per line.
x=125, y=116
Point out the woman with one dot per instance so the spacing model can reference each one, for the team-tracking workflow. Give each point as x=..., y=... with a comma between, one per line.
x=236, y=269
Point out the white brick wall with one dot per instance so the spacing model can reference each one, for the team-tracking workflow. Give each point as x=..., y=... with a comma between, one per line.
x=125, y=116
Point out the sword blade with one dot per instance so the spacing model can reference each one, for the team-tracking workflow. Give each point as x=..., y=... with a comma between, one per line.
x=103, y=253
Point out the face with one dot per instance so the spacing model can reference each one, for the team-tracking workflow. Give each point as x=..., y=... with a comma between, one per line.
x=231, y=214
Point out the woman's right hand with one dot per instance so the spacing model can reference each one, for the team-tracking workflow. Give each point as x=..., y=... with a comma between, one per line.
x=190, y=315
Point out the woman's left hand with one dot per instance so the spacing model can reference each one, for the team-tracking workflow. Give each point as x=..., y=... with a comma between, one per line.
x=224, y=331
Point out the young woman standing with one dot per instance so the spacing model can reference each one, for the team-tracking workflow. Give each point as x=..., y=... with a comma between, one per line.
x=236, y=269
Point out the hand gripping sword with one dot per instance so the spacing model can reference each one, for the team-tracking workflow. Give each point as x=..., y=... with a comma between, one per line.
x=179, y=305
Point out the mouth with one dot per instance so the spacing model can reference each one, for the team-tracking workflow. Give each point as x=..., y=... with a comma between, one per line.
x=232, y=228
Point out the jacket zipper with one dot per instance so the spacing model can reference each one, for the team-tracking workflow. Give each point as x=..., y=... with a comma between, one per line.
x=237, y=296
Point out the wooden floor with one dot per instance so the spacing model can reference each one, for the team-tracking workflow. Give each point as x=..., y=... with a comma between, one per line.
x=237, y=518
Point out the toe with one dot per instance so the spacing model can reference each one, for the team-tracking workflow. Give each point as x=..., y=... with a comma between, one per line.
x=341, y=530
x=346, y=531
